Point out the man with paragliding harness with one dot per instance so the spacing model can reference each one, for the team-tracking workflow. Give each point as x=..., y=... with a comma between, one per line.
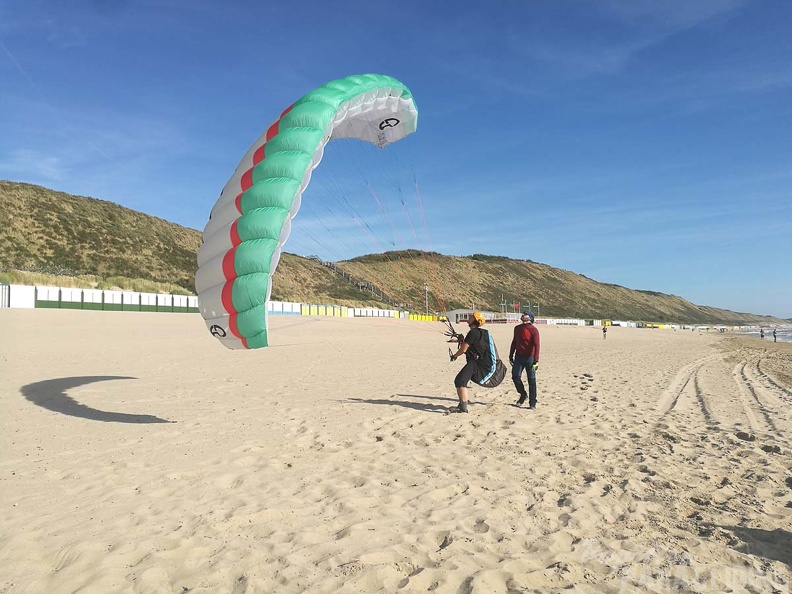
x=482, y=364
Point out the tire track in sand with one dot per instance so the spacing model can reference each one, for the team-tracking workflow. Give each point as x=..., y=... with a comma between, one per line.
x=743, y=392
x=686, y=378
x=769, y=379
x=751, y=385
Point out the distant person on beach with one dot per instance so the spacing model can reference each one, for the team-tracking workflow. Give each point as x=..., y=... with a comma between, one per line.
x=761, y=334
x=524, y=354
x=476, y=348
x=604, y=332
x=774, y=335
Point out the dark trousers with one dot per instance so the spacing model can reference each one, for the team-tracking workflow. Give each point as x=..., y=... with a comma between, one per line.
x=520, y=364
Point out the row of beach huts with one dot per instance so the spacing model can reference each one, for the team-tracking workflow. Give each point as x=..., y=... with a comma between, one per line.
x=24, y=296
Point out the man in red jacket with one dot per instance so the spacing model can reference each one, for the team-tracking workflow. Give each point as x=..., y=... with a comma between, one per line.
x=524, y=354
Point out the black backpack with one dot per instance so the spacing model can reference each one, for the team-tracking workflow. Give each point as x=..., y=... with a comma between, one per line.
x=497, y=372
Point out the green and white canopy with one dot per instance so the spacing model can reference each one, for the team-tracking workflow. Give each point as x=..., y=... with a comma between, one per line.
x=252, y=218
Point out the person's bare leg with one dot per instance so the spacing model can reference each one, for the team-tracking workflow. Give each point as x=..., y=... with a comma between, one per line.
x=462, y=395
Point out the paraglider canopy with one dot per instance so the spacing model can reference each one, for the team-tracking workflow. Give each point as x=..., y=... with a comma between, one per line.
x=251, y=219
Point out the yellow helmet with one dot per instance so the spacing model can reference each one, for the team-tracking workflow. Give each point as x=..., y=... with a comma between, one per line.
x=479, y=317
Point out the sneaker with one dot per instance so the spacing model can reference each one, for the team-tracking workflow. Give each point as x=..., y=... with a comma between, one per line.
x=521, y=401
x=532, y=406
x=459, y=408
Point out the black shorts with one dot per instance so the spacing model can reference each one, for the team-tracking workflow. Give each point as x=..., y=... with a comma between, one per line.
x=469, y=372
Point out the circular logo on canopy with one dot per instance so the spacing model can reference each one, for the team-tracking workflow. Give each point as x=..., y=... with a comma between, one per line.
x=389, y=123
x=217, y=331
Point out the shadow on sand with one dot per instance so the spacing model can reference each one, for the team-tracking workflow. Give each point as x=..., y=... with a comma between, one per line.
x=775, y=544
x=51, y=394
x=424, y=406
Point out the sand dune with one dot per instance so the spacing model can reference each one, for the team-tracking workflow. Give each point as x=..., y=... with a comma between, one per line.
x=138, y=455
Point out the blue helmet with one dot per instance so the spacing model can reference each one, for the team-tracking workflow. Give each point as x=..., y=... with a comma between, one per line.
x=530, y=315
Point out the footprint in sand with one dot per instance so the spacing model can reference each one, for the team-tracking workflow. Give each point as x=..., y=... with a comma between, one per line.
x=241, y=585
x=446, y=542
x=645, y=469
x=585, y=381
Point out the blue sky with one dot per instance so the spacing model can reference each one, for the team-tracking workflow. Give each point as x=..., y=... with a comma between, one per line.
x=642, y=143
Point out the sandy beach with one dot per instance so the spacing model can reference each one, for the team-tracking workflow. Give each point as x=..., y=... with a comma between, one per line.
x=139, y=455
